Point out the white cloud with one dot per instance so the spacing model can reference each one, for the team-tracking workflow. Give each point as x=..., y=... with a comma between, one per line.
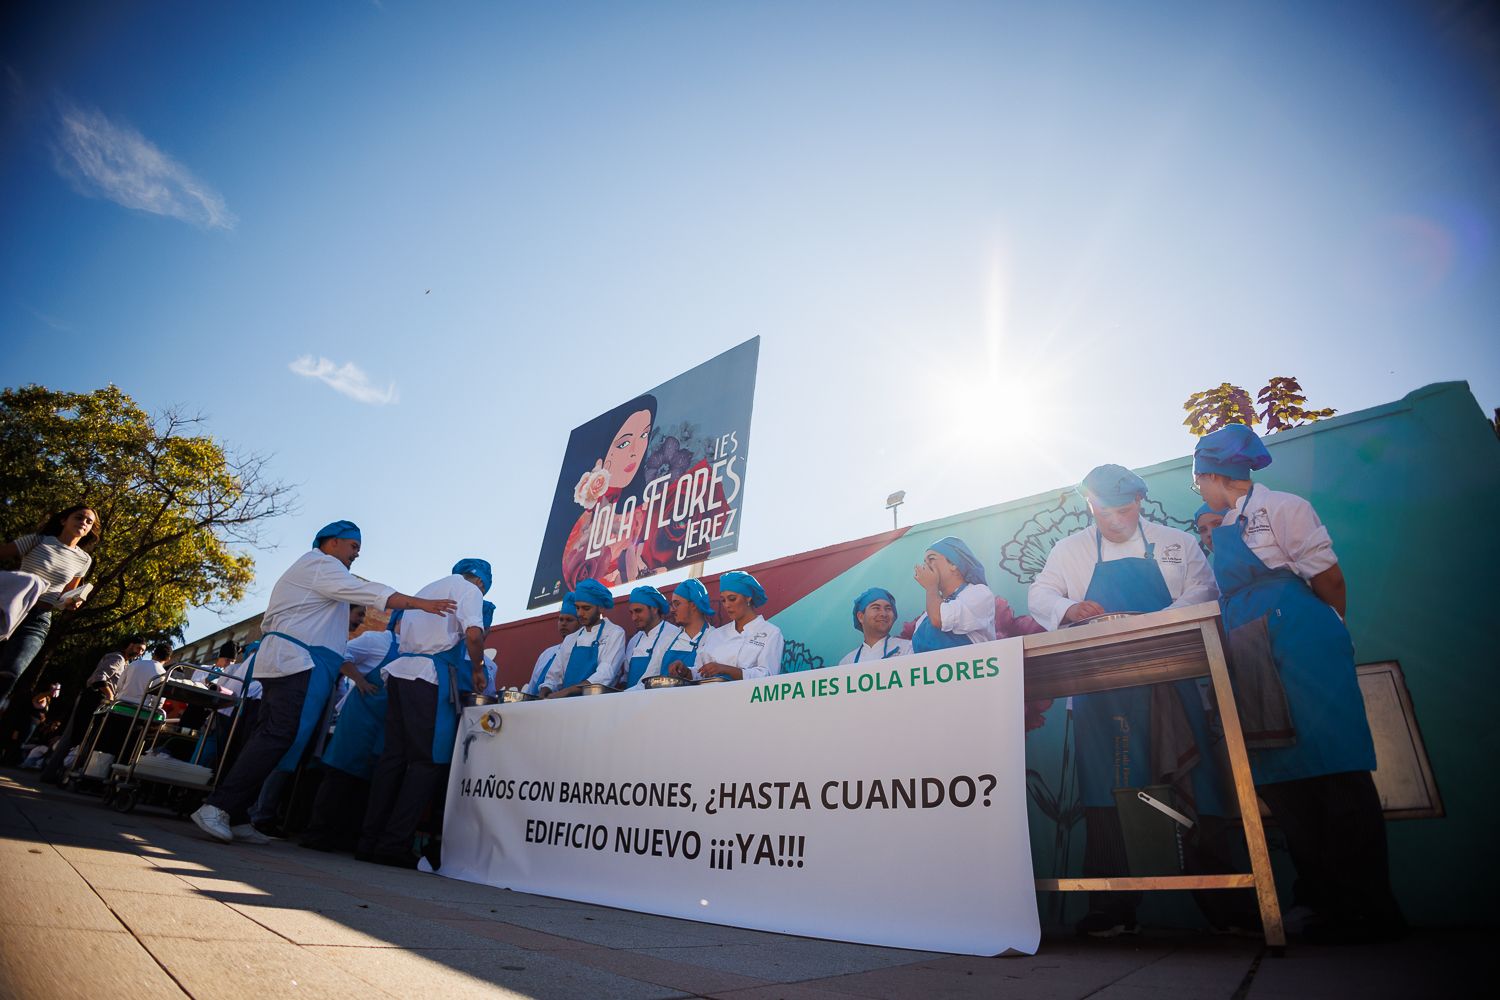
x=348, y=379
x=107, y=159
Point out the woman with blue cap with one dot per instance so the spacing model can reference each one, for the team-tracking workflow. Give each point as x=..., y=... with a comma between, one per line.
x=960, y=607
x=874, y=616
x=440, y=658
x=653, y=636
x=1275, y=561
x=304, y=633
x=596, y=652
x=1205, y=520
x=747, y=646
x=691, y=610
x=567, y=624
x=1123, y=562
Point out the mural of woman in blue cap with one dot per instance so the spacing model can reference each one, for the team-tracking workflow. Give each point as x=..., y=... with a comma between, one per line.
x=747, y=645
x=874, y=616
x=1274, y=560
x=960, y=607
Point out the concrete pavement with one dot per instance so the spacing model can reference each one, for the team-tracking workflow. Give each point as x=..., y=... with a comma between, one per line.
x=96, y=904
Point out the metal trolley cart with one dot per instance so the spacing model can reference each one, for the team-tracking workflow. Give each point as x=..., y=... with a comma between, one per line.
x=145, y=772
x=90, y=769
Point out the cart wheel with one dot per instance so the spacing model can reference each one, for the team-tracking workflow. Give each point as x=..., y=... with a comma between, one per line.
x=124, y=800
x=65, y=782
x=108, y=795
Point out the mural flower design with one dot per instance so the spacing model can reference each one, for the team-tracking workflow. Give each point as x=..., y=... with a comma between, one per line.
x=592, y=487
x=1026, y=553
x=669, y=458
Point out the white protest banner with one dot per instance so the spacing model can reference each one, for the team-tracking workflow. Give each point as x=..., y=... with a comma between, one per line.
x=882, y=803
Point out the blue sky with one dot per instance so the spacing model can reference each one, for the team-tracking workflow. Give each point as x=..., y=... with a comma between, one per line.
x=987, y=246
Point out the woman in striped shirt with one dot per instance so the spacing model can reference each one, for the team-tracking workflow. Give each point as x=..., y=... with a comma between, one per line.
x=58, y=553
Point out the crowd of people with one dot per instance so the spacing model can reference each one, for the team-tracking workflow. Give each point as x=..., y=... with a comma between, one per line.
x=1263, y=554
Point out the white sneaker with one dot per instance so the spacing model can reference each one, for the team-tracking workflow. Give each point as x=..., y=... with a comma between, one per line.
x=213, y=821
x=246, y=833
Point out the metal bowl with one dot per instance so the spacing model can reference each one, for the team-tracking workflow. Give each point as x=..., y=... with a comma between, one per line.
x=595, y=689
x=512, y=695
x=471, y=699
x=1108, y=616
x=664, y=681
x=715, y=679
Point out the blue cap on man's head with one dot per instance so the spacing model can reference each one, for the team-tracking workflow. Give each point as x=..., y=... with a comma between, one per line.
x=1234, y=451
x=1112, y=486
x=336, y=529
x=650, y=597
x=477, y=568
x=695, y=593
x=869, y=597
x=569, y=606
x=1207, y=509
x=593, y=592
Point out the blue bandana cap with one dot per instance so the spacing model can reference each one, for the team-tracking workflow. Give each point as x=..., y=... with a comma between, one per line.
x=390, y=626
x=593, y=592
x=1234, y=451
x=488, y=614
x=869, y=597
x=650, y=597
x=569, y=606
x=739, y=582
x=1112, y=486
x=337, y=529
x=961, y=556
x=694, y=592
x=1206, y=509
x=477, y=568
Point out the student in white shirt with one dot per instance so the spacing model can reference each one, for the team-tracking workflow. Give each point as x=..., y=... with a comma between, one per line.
x=960, y=607
x=140, y=674
x=441, y=658
x=57, y=554
x=595, y=653
x=874, y=616
x=305, y=630
x=653, y=636
x=691, y=610
x=567, y=624
x=748, y=646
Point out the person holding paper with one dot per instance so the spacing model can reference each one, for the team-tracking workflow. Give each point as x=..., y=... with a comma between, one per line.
x=1123, y=563
x=1274, y=560
x=304, y=632
x=691, y=609
x=960, y=607
x=441, y=658
x=748, y=646
x=567, y=624
x=874, y=614
x=58, y=554
x=654, y=634
x=595, y=653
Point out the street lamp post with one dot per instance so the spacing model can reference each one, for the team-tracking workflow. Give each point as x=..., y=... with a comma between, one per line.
x=893, y=501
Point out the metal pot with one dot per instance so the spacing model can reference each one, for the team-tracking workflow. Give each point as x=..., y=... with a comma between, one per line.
x=1108, y=616
x=715, y=679
x=664, y=681
x=595, y=689
x=471, y=699
x=512, y=695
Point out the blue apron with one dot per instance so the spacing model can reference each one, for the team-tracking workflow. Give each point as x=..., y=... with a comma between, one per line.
x=638, y=664
x=885, y=649
x=928, y=637
x=686, y=657
x=1313, y=654
x=450, y=665
x=535, y=686
x=359, y=737
x=325, y=674
x=583, y=660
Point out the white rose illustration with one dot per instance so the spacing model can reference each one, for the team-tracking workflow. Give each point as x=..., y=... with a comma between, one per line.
x=591, y=488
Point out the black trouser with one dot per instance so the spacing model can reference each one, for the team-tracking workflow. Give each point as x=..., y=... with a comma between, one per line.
x=276, y=727
x=84, y=705
x=1335, y=832
x=1104, y=857
x=338, y=811
x=406, y=779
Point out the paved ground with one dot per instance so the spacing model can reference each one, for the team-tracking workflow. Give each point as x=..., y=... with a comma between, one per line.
x=101, y=905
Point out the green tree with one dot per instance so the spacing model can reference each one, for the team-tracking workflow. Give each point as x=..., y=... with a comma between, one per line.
x=1283, y=401
x=173, y=505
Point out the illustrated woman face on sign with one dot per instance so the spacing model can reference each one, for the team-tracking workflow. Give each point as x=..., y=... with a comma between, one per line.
x=628, y=449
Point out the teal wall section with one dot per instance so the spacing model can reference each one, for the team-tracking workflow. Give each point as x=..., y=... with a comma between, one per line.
x=1409, y=492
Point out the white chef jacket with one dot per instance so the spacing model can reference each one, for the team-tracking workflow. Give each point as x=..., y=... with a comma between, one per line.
x=491, y=671
x=969, y=613
x=609, y=637
x=311, y=602
x=137, y=677
x=891, y=645
x=1065, y=579
x=428, y=633
x=1284, y=532
x=657, y=641
x=756, y=650
x=539, y=671
x=365, y=651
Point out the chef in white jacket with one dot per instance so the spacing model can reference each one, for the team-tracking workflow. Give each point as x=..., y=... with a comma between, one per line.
x=567, y=624
x=595, y=653
x=748, y=646
x=874, y=616
x=653, y=636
